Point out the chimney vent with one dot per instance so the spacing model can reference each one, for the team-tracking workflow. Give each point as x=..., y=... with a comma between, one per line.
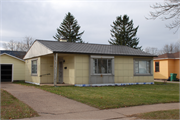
x=63, y=40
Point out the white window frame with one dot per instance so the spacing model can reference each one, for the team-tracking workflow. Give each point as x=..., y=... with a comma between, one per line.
x=34, y=74
x=151, y=67
x=102, y=57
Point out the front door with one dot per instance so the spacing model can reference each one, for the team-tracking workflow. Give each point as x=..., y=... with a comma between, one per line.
x=61, y=72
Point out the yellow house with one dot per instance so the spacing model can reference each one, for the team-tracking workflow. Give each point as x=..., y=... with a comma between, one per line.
x=12, y=65
x=166, y=64
x=84, y=64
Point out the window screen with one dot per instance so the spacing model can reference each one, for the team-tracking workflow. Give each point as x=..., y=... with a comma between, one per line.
x=142, y=67
x=34, y=66
x=156, y=66
x=102, y=66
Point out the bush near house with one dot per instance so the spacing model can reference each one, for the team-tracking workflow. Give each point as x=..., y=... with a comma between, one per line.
x=12, y=108
x=118, y=96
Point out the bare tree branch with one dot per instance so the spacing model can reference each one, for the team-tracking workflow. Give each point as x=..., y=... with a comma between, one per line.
x=170, y=9
x=19, y=46
x=168, y=48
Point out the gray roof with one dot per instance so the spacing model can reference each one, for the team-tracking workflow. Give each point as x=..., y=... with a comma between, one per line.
x=18, y=54
x=86, y=48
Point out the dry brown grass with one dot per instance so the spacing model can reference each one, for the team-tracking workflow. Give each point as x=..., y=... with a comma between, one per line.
x=12, y=108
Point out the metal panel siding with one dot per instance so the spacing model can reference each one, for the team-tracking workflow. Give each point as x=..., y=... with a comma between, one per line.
x=46, y=67
x=37, y=49
x=81, y=69
x=69, y=72
x=18, y=66
x=124, y=70
x=101, y=78
x=28, y=76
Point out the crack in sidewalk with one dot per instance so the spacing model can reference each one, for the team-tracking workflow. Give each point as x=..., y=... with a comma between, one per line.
x=66, y=112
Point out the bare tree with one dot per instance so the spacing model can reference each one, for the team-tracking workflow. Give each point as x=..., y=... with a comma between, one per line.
x=167, y=48
x=177, y=46
x=152, y=50
x=171, y=48
x=170, y=9
x=19, y=46
x=28, y=41
x=11, y=45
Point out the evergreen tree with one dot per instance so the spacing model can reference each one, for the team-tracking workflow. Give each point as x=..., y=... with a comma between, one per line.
x=123, y=33
x=69, y=29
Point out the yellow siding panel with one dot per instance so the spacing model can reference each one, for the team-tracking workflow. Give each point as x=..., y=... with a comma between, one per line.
x=124, y=70
x=177, y=68
x=171, y=67
x=46, y=67
x=69, y=73
x=18, y=66
x=28, y=76
x=85, y=80
x=163, y=69
x=81, y=69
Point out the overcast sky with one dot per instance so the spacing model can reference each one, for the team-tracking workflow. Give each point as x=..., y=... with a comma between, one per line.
x=40, y=19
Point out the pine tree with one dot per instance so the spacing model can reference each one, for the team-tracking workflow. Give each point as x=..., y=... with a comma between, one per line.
x=69, y=29
x=123, y=33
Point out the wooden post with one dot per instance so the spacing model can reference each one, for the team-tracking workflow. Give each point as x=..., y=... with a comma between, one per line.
x=55, y=67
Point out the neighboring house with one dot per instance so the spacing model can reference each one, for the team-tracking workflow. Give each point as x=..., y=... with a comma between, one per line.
x=166, y=64
x=84, y=64
x=12, y=65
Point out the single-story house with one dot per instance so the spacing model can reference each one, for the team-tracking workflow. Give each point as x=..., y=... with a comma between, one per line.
x=166, y=64
x=12, y=65
x=84, y=64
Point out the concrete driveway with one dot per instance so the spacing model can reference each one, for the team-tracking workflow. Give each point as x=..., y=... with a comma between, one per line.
x=52, y=106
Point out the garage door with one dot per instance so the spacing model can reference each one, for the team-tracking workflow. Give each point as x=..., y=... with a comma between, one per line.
x=6, y=73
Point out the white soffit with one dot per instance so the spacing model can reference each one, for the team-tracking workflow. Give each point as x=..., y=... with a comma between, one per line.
x=166, y=58
x=101, y=56
x=37, y=49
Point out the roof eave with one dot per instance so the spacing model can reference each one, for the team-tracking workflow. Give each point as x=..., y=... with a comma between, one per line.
x=104, y=54
x=12, y=56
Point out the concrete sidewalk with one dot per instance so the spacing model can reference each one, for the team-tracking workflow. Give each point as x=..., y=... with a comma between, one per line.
x=52, y=106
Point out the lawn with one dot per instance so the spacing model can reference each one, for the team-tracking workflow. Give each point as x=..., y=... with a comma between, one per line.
x=12, y=108
x=118, y=96
x=166, y=114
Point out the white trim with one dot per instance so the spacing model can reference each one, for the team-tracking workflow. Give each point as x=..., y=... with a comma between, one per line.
x=12, y=69
x=12, y=56
x=165, y=58
x=113, y=84
x=36, y=50
x=101, y=56
x=32, y=83
x=143, y=59
x=34, y=74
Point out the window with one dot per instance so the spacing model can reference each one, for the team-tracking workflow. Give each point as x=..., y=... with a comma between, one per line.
x=102, y=66
x=142, y=67
x=34, y=67
x=156, y=66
